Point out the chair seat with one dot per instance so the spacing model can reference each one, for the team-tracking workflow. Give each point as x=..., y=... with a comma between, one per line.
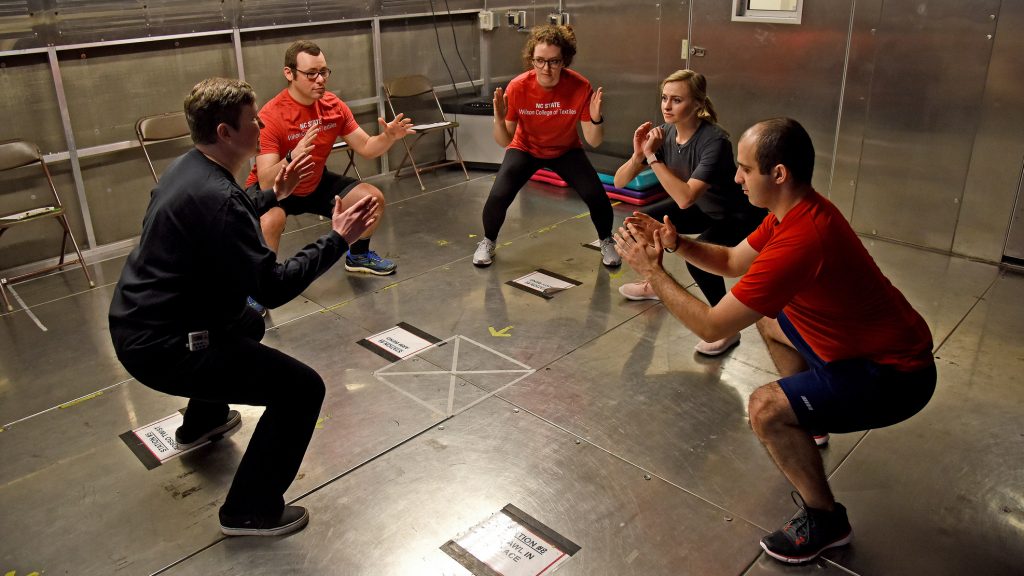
x=418, y=88
x=9, y=220
x=434, y=126
x=15, y=155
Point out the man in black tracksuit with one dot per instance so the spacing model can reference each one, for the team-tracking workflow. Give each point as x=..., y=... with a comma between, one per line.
x=179, y=320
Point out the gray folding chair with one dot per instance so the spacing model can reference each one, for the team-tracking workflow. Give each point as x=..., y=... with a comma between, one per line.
x=160, y=128
x=342, y=145
x=15, y=154
x=407, y=91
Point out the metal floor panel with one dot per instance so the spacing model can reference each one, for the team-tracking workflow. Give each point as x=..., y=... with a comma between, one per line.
x=386, y=485
x=393, y=516
x=948, y=484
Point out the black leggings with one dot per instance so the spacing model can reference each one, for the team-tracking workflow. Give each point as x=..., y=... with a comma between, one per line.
x=728, y=231
x=236, y=368
x=573, y=167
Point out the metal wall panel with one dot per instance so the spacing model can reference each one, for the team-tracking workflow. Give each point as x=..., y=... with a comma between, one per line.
x=347, y=47
x=928, y=82
x=29, y=108
x=109, y=88
x=281, y=12
x=860, y=69
x=613, y=55
x=16, y=22
x=998, y=150
x=757, y=70
x=410, y=46
x=78, y=21
x=1015, y=238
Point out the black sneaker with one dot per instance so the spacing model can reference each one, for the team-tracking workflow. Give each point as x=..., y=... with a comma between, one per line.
x=808, y=534
x=292, y=519
x=186, y=439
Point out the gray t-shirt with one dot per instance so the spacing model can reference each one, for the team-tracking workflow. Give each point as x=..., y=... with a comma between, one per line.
x=707, y=156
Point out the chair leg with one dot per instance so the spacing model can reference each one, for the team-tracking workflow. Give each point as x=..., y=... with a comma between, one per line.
x=415, y=169
x=455, y=146
x=3, y=293
x=78, y=252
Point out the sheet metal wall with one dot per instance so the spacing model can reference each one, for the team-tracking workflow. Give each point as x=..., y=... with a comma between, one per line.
x=997, y=158
x=914, y=108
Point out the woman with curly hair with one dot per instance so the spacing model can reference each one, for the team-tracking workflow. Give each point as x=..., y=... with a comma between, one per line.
x=535, y=118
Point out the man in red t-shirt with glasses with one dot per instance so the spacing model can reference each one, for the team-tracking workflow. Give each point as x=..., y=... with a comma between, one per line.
x=305, y=118
x=852, y=352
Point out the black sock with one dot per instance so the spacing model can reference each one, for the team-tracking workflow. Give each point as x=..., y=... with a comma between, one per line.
x=359, y=247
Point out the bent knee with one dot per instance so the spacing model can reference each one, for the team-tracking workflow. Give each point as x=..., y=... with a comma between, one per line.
x=361, y=191
x=769, y=406
x=273, y=221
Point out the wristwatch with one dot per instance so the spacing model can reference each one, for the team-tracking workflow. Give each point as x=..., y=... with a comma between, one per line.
x=288, y=157
x=652, y=159
x=596, y=122
x=671, y=250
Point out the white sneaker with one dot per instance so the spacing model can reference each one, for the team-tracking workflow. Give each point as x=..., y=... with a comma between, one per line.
x=484, y=254
x=609, y=257
x=717, y=347
x=638, y=291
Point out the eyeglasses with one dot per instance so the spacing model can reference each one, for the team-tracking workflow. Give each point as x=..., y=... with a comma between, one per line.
x=312, y=74
x=540, y=62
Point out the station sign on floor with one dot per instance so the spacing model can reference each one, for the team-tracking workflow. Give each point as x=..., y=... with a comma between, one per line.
x=399, y=342
x=510, y=543
x=154, y=443
x=543, y=283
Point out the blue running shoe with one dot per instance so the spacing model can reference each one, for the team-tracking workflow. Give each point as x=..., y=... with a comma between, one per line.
x=369, y=263
x=259, y=308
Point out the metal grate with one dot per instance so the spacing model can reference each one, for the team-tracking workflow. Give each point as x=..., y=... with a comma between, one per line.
x=16, y=22
x=93, y=20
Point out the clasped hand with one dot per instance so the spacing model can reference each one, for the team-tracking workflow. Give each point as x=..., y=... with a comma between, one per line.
x=641, y=240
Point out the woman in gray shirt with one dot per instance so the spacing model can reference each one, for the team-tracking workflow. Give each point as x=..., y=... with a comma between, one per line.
x=693, y=160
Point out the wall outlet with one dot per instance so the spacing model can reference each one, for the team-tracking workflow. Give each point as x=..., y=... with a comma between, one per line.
x=516, y=19
x=486, y=20
x=556, y=18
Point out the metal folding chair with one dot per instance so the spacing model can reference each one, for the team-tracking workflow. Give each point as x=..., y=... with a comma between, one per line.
x=342, y=145
x=408, y=89
x=160, y=128
x=15, y=154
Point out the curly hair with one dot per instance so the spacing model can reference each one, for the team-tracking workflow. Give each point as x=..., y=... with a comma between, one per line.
x=555, y=35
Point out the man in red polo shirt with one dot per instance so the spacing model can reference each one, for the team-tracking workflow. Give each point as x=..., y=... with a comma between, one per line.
x=305, y=118
x=852, y=352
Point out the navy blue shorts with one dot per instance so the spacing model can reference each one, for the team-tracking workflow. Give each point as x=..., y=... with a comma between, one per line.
x=852, y=395
x=321, y=200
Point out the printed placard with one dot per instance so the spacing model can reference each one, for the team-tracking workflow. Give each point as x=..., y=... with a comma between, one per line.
x=543, y=283
x=510, y=543
x=399, y=342
x=154, y=443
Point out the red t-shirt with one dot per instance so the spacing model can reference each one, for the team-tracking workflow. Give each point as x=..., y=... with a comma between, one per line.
x=547, y=118
x=813, y=267
x=285, y=121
